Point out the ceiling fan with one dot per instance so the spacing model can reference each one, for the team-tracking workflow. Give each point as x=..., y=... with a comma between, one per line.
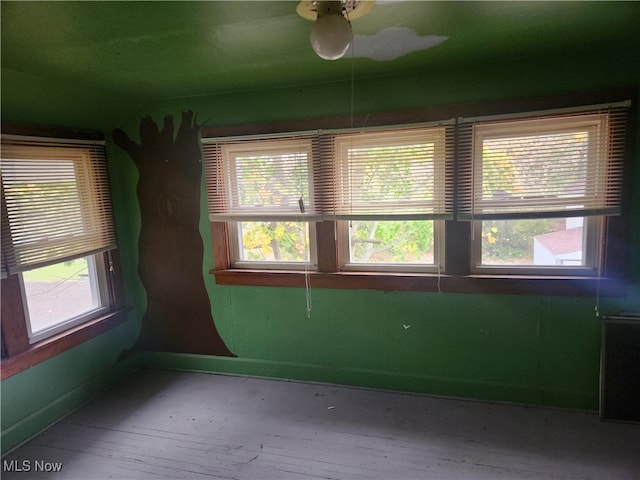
x=331, y=35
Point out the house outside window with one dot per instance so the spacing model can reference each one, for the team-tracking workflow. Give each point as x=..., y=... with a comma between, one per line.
x=442, y=199
x=541, y=187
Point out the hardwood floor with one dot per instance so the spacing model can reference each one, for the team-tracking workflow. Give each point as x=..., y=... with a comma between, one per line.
x=180, y=425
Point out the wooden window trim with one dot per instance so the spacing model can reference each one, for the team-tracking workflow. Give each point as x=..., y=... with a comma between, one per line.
x=15, y=336
x=41, y=351
x=457, y=277
x=486, y=284
x=21, y=355
x=455, y=282
x=18, y=353
x=429, y=114
x=11, y=128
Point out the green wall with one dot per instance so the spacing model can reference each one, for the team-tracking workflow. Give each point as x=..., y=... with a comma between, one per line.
x=46, y=392
x=40, y=395
x=526, y=349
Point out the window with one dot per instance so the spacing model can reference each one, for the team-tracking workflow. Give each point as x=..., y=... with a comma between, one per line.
x=442, y=200
x=540, y=189
x=271, y=243
x=390, y=186
x=57, y=236
x=544, y=243
x=64, y=294
x=386, y=187
x=56, y=216
x=390, y=243
x=264, y=188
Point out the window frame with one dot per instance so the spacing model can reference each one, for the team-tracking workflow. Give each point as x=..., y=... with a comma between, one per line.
x=237, y=262
x=342, y=229
x=278, y=146
x=439, y=134
x=575, y=124
x=349, y=203
x=592, y=241
x=226, y=200
x=592, y=121
x=457, y=275
x=97, y=269
x=18, y=351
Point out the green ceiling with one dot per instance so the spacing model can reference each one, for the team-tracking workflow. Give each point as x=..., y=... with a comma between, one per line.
x=173, y=49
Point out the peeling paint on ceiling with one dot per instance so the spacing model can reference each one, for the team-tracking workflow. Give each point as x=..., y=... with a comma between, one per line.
x=153, y=49
x=391, y=43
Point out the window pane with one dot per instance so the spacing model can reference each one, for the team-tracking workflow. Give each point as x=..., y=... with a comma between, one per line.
x=539, y=242
x=272, y=180
x=60, y=292
x=534, y=166
x=409, y=241
x=268, y=177
x=274, y=241
x=391, y=172
x=57, y=202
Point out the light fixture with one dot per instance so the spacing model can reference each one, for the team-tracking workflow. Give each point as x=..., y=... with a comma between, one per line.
x=331, y=33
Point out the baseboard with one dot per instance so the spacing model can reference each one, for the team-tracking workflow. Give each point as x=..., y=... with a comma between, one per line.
x=28, y=427
x=488, y=390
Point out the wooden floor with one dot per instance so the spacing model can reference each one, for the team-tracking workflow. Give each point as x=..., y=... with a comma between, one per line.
x=177, y=425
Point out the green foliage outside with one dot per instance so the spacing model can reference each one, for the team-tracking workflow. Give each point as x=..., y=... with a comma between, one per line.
x=511, y=241
x=523, y=167
x=534, y=163
x=371, y=241
x=390, y=174
x=275, y=241
x=408, y=241
x=382, y=174
x=393, y=173
x=71, y=270
x=273, y=183
x=277, y=182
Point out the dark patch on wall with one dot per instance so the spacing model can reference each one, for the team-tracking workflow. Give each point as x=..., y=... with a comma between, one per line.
x=178, y=316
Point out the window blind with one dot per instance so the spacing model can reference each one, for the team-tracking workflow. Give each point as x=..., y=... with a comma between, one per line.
x=56, y=200
x=562, y=164
x=401, y=173
x=260, y=179
x=373, y=174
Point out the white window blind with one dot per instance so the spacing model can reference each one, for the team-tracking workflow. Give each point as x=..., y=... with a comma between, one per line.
x=56, y=200
x=393, y=174
x=256, y=179
x=549, y=165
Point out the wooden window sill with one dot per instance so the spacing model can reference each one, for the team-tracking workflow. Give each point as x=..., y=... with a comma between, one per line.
x=45, y=349
x=501, y=284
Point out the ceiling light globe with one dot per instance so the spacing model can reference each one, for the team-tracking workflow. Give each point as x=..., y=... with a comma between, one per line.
x=331, y=36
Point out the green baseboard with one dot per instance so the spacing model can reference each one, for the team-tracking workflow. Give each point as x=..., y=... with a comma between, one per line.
x=26, y=428
x=403, y=382
x=23, y=430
